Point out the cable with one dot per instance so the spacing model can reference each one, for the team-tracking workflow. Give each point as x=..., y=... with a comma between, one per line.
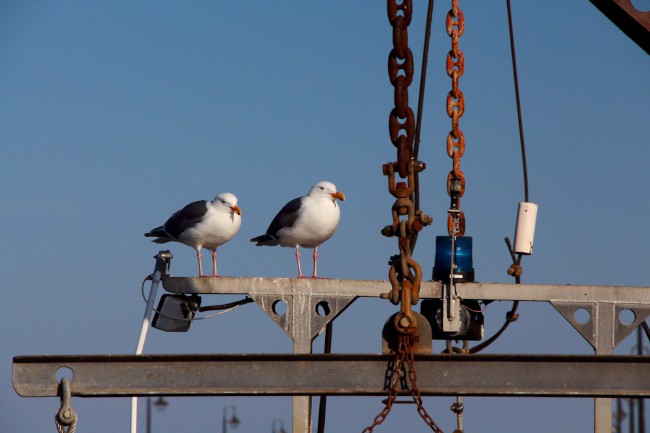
x=519, y=117
x=225, y=307
x=322, y=404
x=512, y=315
x=418, y=122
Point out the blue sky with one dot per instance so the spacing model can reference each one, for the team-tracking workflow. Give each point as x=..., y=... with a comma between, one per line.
x=116, y=114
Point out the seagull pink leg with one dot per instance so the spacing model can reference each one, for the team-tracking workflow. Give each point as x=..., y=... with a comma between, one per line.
x=300, y=275
x=198, y=258
x=214, y=263
x=315, y=262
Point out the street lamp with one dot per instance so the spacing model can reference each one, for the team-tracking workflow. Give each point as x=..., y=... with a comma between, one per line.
x=282, y=430
x=160, y=405
x=234, y=421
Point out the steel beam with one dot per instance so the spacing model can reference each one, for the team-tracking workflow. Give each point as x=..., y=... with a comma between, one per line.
x=429, y=289
x=293, y=375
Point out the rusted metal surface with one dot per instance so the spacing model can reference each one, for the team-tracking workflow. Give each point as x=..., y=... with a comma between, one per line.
x=405, y=274
x=455, y=24
x=634, y=23
x=478, y=375
x=400, y=73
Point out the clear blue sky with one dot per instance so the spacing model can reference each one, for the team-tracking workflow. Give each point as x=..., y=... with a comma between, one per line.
x=115, y=114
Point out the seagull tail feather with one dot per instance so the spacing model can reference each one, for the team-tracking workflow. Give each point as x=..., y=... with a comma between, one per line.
x=265, y=240
x=160, y=233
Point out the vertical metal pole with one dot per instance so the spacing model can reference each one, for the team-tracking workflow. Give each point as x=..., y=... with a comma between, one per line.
x=224, y=423
x=639, y=351
x=605, y=315
x=161, y=262
x=301, y=335
x=148, y=414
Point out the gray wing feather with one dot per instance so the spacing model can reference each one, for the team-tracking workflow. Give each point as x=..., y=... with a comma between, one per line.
x=285, y=218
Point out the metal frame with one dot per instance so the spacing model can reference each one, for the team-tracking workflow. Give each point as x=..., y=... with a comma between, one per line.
x=333, y=375
x=602, y=377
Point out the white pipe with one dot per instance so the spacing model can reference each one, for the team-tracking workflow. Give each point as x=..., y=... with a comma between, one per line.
x=525, y=228
x=146, y=321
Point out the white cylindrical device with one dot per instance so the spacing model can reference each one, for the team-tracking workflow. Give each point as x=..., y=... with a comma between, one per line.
x=525, y=228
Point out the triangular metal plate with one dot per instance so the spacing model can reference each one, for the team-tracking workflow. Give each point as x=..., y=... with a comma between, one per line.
x=303, y=311
x=587, y=329
x=621, y=330
x=604, y=318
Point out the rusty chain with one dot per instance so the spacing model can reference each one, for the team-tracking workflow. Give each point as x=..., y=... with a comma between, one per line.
x=415, y=393
x=394, y=378
x=401, y=123
x=405, y=274
x=455, y=108
x=403, y=371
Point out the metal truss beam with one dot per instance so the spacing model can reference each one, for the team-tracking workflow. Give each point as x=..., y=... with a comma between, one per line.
x=429, y=289
x=291, y=375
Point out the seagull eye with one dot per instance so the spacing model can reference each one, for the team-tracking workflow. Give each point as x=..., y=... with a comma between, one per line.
x=322, y=187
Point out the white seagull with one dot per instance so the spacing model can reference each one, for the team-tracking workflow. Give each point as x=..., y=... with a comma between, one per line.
x=305, y=222
x=202, y=224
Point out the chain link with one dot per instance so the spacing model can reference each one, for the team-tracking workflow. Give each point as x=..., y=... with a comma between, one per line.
x=403, y=372
x=415, y=392
x=401, y=123
x=394, y=380
x=405, y=274
x=455, y=108
x=407, y=221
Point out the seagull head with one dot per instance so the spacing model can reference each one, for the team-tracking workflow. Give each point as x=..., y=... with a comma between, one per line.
x=227, y=201
x=326, y=189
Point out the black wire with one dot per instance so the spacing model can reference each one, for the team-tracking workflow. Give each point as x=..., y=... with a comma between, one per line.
x=646, y=328
x=418, y=123
x=322, y=404
x=226, y=306
x=423, y=76
x=511, y=316
x=519, y=117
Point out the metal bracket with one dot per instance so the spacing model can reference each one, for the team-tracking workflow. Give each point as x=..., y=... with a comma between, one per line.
x=306, y=316
x=450, y=308
x=604, y=329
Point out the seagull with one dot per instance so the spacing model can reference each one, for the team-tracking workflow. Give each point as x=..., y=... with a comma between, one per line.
x=202, y=224
x=305, y=222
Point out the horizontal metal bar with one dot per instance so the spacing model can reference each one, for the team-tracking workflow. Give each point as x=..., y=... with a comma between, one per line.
x=429, y=289
x=472, y=375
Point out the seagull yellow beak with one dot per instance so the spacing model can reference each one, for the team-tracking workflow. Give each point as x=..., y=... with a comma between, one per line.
x=236, y=209
x=338, y=195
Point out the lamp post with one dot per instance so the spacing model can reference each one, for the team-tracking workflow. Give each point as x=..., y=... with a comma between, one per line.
x=160, y=405
x=234, y=421
x=282, y=430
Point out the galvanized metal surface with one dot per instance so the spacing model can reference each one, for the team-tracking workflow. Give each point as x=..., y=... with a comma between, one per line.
x=302, y=295
x=476, y=375
x=429, y=289
x=603, y=329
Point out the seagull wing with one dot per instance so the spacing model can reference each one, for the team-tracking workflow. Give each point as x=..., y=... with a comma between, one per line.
x=285, y=218
x=186, y=218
